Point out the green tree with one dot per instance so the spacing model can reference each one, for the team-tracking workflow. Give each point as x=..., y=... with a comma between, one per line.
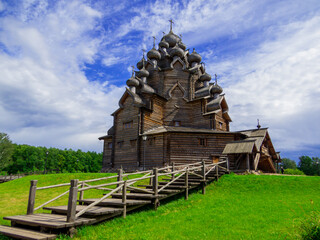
x=6, y=150
x=307, y=165
x=288, y=163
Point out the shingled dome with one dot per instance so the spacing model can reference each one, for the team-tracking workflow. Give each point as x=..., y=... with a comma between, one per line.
x=194, y=57
x=182, y=45
x=133, y=82
x=216, y=89
x=140, y=63
x=142, y=73
x=164, y=44
x=205, y=77
x=176, y=51
x=153, y=54
x=172, y=39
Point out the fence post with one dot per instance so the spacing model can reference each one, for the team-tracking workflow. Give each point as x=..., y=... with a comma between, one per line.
x=204, y=177
x=32, y=196
x=172, y=169
x=155, y=188
x=120, y=173
x=81, y=193
x=227, y=159
x=187, y=183
x=72, y=202
x=217, y=172
x=124, y=199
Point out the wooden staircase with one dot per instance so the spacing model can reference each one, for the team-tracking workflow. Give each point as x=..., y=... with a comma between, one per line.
x=126, y=196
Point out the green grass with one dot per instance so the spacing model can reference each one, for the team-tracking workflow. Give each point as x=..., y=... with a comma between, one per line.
x=237, y=207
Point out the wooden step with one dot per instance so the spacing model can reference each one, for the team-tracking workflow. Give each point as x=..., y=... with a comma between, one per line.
x=20, y=233
x=115, y=202
x=189, y=180
x=165, y=191
x=141, y=196
x=93, y=211
x=179, y=183
x=53, y=221
x=167, y=188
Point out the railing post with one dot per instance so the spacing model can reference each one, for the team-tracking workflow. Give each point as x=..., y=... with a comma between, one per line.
x=124, y=199
x=204, y=177
x=217, y=172
x=187, y=184
x=172, y=169
x=155, y=188
x=32, y=196
x=227, y=159
x=81, y=193
x=72, y=202
x=120, y=173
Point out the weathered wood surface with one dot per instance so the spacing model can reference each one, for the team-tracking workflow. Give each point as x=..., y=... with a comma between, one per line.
x=94, y=211
x=21, y=233
x=115, y=201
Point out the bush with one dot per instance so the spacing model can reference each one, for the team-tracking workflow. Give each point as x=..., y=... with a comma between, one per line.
x=310, y=229
x=293, y=171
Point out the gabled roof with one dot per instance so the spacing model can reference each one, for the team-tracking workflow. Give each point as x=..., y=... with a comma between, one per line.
x=243, y=146
x=164, y=129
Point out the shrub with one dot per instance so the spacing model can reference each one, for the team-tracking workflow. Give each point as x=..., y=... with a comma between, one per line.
x=310, y=229
x=293, y=171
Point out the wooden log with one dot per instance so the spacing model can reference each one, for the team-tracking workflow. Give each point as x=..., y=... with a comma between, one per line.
x=72, y=202
x=32, y=196
x=204, y=177
x=124, y=199
x=120, y=177
x=172, y=169
x=155, y=188
x=82, y=192
x=187, y=184
x=217, y=173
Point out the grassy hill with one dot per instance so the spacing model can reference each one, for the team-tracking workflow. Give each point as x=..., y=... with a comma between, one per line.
x=237, y=207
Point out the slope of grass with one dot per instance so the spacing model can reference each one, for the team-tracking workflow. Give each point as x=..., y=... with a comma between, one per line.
x=237, y=207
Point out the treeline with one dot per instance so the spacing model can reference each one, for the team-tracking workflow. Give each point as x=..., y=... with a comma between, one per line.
x=28, y=159
x=306, y=165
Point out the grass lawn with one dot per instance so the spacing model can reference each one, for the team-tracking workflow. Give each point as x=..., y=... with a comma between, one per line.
x=237, y=207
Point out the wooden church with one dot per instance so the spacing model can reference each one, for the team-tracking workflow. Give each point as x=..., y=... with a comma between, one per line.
x=171, y=113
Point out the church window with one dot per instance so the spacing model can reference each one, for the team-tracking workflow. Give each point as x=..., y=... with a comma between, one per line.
x=203, y=141
x=120, y=144
x=127, y=125
x=177, y=123
x=220, y=124
x=110, y=145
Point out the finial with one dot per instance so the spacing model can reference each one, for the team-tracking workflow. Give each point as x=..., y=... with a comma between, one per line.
x=163, y=33
x=154, y=41
x=258, y=126
x=216, y=78
x=143, y=52
x=194, y=49
x=132, y=70
x=180, y=35
x=171, y=22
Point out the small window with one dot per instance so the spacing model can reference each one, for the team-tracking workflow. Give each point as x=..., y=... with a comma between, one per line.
x=133, y=143
x=177, y=123
x=220, y=124
x=127, y=125
x=203, y=142
x=110, y=145
x=120, y=144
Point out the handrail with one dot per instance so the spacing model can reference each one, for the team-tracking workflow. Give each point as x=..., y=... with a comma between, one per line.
x=171, y=182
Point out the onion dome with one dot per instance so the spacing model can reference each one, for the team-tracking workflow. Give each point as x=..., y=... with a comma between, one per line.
x=133, y=82
x=172, y=39
x=142, y=73
x=164, y=44
x=194, y=57
x=205, y=77
x=153, y=54
x=216, y=89
x=177, y=51
x=182, y=45
x=140, y=63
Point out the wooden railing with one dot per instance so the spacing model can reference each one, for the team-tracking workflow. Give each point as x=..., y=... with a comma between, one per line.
x=174, y=172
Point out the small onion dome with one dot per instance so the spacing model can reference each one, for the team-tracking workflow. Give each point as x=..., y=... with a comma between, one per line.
x=182, y=45
x=205, y=77
x=153, y=54
x=140, y=63
x=172, y=39
x=142, y=73
x=176, y=51
x=216, y=89
x=164, y=44
x=194, y=57
x=133, y=82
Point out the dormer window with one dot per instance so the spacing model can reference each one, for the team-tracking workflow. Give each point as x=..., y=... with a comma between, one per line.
x=127, y=125
x=177, y=123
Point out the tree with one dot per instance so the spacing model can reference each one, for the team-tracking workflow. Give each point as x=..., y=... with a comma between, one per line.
x=306, y=165
x=288, y=163
x=6, y=150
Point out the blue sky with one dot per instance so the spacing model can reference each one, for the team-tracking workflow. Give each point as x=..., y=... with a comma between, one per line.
x=64, y=65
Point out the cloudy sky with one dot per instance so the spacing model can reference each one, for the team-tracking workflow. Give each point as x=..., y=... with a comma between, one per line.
x=64, y=64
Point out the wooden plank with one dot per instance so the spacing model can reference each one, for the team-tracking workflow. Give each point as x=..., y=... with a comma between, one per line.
x=21, y=233
x=115, y=201
x=48, y=220
x=94, y=211
x=138, y=196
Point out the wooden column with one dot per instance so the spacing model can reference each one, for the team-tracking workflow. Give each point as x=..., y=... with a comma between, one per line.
x=217, y=173
x=155, y=188
x=72, y=202
x=32, y=196
x=172, y=169
x=186, y=184
x=248, y=162
x=120, y=177
x=124, y=199
x=203, y=170
x=227, y=159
